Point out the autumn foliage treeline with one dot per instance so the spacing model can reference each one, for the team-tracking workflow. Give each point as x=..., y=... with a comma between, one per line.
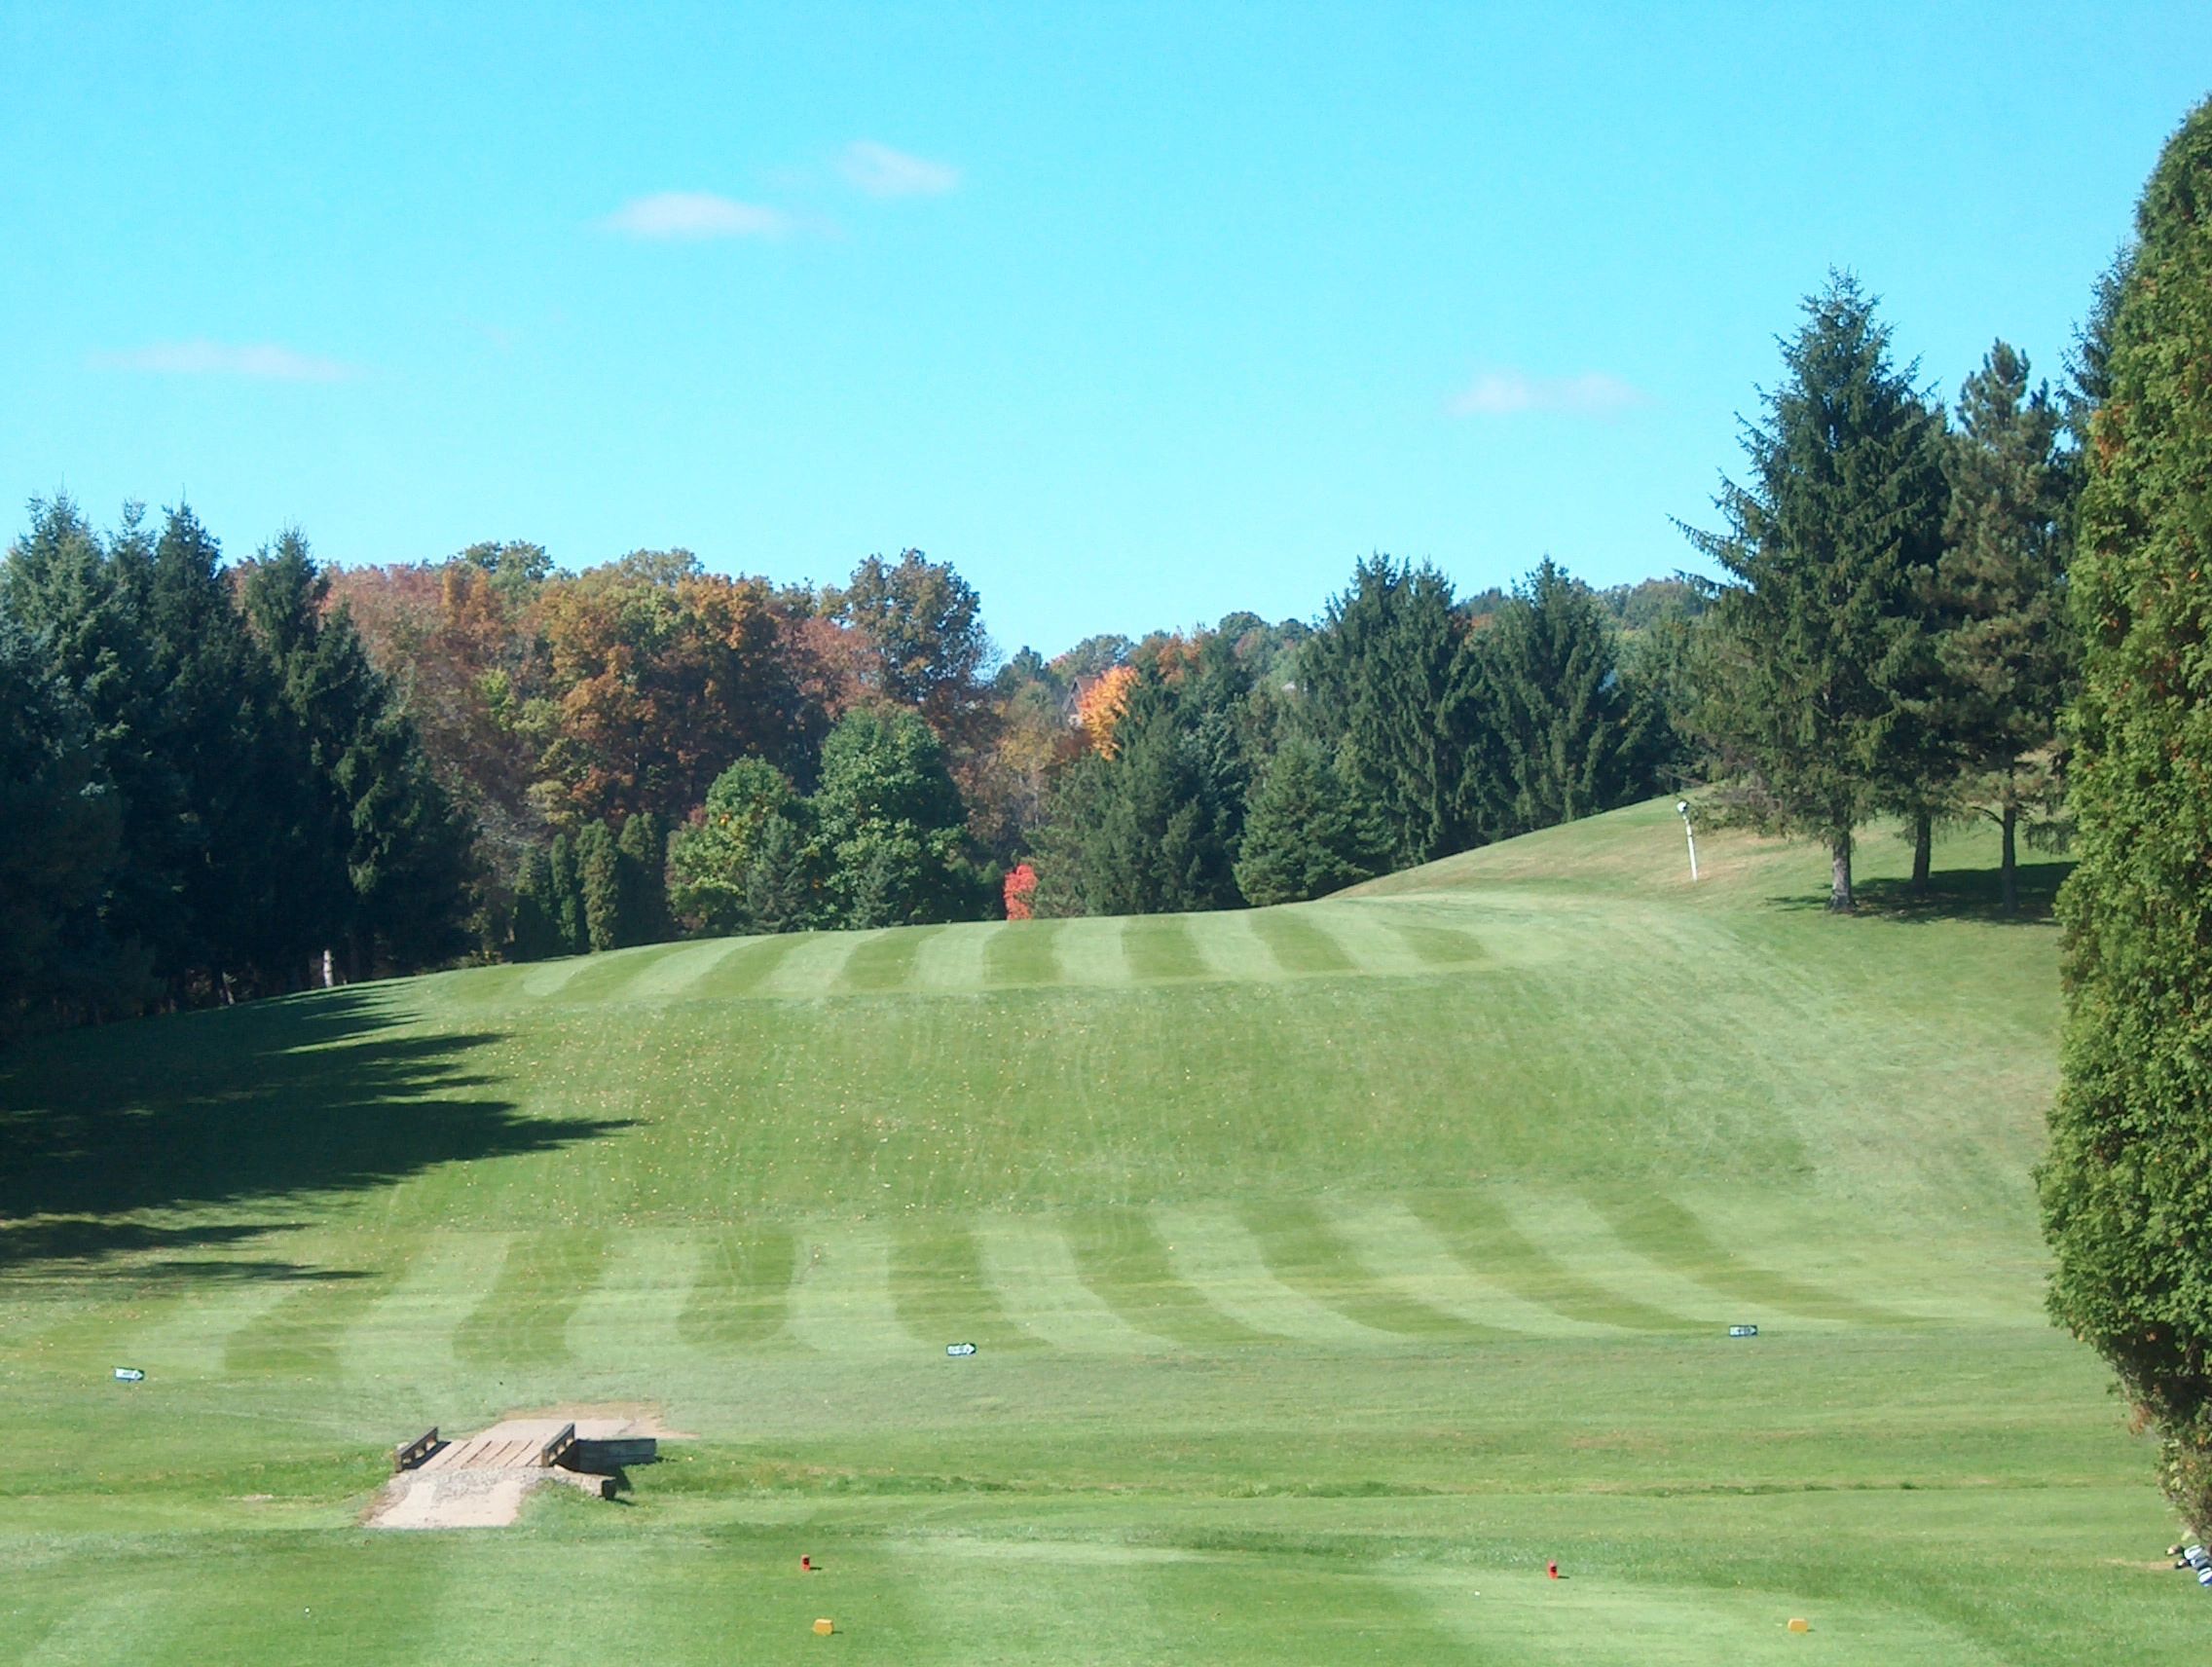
x=730, y=756
x=247, y=776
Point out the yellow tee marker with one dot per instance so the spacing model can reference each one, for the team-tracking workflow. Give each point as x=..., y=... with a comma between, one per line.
x=825, y=1626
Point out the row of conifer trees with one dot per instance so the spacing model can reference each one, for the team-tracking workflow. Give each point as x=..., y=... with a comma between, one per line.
x=211, y=791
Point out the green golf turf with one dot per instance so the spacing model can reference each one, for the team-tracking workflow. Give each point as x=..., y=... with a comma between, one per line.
x=1330, y=1268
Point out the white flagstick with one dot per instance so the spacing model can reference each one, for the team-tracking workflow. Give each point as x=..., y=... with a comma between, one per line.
x=1683, y=809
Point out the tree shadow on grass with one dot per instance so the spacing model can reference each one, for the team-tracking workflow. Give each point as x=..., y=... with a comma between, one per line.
x=1953, y=894
x=237, y=1112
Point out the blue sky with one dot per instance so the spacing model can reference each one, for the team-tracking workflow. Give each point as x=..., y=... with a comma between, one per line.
x=1137, y=314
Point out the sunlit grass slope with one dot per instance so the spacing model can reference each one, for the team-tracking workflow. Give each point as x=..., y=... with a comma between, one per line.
x=1330, y=1267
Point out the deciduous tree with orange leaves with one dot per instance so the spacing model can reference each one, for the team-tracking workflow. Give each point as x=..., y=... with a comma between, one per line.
x=1101, y=704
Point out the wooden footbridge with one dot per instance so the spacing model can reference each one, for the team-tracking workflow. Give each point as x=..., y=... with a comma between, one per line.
x=518, y=1444
x=481, y=1480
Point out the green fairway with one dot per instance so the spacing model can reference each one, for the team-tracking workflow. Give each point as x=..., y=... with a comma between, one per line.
x=1331, y=1268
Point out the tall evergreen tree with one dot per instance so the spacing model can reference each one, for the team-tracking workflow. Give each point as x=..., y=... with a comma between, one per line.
x=2004, y=651
x=599, y=871
x=644, y=849
x=1306, y=836
x=386, y=856
x=2126, y=1185
x=1562, y=737
x=283, y=595
x=1823, y=656
x=1379, y=688
x=538, y=933
x=567, y=897
x=83, y=606
x=58, y=959
x=1155, y=828
x=2088, y=362
x=219, y=724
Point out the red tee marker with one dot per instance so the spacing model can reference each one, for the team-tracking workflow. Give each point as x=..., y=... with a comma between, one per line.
x=1552, y=1569
x=806, y=1563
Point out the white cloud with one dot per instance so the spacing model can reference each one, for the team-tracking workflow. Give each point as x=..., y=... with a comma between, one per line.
x=262, y=361
x=692, y=215
x=1510, y=392
x=881, y=172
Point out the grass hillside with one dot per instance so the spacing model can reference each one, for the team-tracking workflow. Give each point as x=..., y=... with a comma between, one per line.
x=1330, y=1266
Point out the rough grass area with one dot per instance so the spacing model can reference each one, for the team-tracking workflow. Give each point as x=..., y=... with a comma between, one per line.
x=1330, y=1267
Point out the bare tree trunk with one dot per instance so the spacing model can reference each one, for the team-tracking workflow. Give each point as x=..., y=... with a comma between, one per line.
x=1923, y=848
x=329, y=971
x=1839, y=884
x=2008, y=865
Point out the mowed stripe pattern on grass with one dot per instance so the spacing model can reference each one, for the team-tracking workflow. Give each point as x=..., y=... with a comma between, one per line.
x=1438, y=1268
x=1329, y=1265
x=1326, y=939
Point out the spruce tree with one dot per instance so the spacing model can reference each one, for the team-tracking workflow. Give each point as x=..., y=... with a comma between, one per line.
x=220, y=725
x=1305, y=835
x=2127, y=1186
x=599, y=871
x=567, y=895
x=1154, y=829
x=381, y=866
x=1379, y=678
x=59, y=961
x=1821, y=656
x=537, y=931
x=2004, y=651
x=283, y=594
x=643, y=850
x=82, y=607
x=1562, y=736
x=781, y=889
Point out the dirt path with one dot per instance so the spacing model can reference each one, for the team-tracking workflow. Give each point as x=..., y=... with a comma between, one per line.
x=453, y=1499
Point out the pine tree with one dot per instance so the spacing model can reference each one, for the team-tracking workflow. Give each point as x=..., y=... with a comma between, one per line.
x=220, y=725
x=382, y=862
x=1306, y=836
x=59, y=961
x=2126, y=1185
x=1380, y=682
x=643, y=850
x=1821, y=653
x=536, y=932
x=1155, y=828
x=83, y=608
x=599, y=871
x=568, y=893
x=1544, y=692
x=2005, y=654
x=781, y=887
x=282, y=596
